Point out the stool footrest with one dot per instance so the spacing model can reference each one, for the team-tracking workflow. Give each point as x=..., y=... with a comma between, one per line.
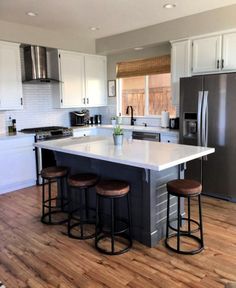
x=184, y=232
x=186, y=252
x=121, y=251
x=78, y=224
x=44, y=221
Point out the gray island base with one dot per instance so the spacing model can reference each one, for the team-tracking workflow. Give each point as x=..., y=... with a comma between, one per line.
x=148, y=193
x=146, y=165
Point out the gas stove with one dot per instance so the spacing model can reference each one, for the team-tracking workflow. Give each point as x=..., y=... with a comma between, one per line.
x=49, y=133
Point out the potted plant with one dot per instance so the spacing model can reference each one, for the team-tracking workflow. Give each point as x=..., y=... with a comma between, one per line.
x=118, y=135
x=113, y=120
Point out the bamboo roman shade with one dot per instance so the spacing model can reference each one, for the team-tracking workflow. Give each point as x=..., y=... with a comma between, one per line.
x=156, y=65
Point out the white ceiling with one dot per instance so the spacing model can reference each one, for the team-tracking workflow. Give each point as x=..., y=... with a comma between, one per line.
x=112, y=16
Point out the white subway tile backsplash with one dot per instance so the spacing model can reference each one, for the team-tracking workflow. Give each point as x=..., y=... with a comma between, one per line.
x=38, y=109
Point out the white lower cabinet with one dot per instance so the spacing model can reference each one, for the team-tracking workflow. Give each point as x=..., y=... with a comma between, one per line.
x=18, y=167
x=81, y=132
x=165, y=138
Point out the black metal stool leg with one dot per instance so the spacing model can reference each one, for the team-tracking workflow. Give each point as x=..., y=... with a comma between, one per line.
x=200, y=220
x=97, y=219
x=168, y=212
x=178, y=223
x=86, y=199
x=81, y=215
x=49, y=202
x=43, y=200
x=62, y=194
x=129, y=218
x=112, y=225
x=189, y=217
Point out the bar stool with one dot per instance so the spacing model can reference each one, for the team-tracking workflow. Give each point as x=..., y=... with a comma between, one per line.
x=81, y=183
x=188, y=189
x=49, y=175
x=112, y=190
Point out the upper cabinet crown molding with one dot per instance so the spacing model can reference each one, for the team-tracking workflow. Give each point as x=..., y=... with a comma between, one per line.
x=10, y=76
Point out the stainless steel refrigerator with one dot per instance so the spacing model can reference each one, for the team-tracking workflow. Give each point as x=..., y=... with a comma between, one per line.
x=208, y=118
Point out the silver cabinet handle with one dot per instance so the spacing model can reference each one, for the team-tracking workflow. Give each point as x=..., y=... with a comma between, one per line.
x=83, y=100
x=87, y=100
x=218, y=64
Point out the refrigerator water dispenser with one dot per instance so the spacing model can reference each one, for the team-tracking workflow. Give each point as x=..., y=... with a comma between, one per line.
x=190, y=125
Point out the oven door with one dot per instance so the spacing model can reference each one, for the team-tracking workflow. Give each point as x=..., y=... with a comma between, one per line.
x=44, y=158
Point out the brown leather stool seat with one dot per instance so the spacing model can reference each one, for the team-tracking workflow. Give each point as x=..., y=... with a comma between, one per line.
x=185, y=188
x=54, y=172
x=116, y=229
x=50, y=174
x=83, y=180
x=112, y=188
x=81, y=184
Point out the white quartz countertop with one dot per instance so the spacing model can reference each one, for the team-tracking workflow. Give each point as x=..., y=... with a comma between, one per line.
x=138, y=153
x=6, y=136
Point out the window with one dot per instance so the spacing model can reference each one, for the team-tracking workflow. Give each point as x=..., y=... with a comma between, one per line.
x=145, y=85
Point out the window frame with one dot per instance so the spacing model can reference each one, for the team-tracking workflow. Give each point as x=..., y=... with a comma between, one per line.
x=146, y=89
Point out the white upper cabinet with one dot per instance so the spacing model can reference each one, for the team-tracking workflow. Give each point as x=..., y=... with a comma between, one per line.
x=214, y=53
x=95, y=79
x=10, y=76
x=71, y=71
x=228, y=52
x=83, y=80
x=180, y=66
x=206, y=54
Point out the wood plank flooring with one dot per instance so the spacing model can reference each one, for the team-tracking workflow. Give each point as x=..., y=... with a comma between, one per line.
x=36, y=255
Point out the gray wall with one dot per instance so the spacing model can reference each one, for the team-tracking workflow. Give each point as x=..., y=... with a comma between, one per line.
x=206, y=22
x=32, y=35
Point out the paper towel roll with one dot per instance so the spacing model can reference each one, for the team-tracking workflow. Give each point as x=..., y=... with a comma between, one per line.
x=165, y=119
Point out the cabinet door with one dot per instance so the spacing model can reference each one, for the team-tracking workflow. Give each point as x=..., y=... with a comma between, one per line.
x=228, y=54
x=72, y=77
x=95, y=75
x=19, y=169
x=206, y=54
x=180, y=66
x=10, y=76
x=84, y=132
x=169, y=139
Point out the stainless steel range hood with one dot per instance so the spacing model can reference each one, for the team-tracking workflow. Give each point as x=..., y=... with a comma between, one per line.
x=35, y=61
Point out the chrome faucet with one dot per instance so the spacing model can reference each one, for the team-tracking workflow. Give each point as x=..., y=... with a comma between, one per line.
x=132, y=119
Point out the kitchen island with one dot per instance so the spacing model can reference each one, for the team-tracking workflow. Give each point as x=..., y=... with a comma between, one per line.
x=146, y=165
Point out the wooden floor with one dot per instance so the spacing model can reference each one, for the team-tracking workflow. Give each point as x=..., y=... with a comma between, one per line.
x=35, y=255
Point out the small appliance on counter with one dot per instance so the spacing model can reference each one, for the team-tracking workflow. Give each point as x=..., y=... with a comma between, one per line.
x=98, y=119
x=77, y=118
x=174, y=123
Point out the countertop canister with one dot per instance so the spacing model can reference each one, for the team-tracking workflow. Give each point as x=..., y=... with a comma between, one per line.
x=165, y=119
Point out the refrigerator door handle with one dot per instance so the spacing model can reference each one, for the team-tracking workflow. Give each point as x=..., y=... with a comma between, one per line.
x=199, y=118
x=205, y=120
